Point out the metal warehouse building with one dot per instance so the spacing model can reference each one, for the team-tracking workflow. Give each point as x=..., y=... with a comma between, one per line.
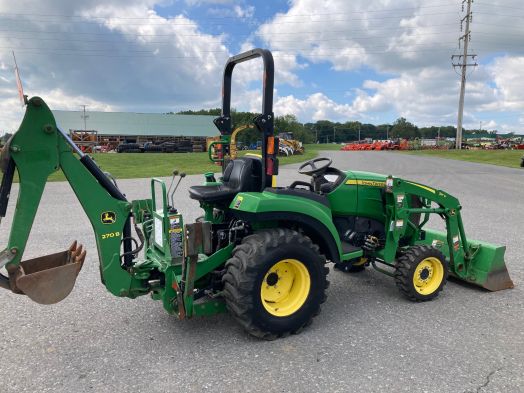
x=114, y=128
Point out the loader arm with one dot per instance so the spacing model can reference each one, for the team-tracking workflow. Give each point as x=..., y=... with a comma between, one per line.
x=476, y=262
x=38, y=149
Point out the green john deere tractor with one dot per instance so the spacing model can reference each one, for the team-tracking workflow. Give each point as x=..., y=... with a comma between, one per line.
x=259, y=251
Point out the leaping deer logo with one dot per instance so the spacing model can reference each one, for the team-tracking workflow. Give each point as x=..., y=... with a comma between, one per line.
x=108, y=217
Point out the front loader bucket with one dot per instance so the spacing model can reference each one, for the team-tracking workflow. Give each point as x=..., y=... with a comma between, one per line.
x=486, y=268
x=51, y=278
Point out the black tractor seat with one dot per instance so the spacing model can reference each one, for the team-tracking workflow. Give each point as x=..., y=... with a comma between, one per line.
x=242, y=174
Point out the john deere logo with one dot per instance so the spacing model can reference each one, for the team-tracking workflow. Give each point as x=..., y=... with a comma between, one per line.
x=108, y=217
x=238, y=202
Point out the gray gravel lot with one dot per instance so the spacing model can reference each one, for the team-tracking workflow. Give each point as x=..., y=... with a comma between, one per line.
x=367, y=338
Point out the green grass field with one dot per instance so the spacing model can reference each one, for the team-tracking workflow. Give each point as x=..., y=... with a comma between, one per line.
x=510, y=158
x=137, y=165
x=322, y=146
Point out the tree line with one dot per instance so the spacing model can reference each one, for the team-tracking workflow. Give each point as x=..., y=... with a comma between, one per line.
x=325, y=131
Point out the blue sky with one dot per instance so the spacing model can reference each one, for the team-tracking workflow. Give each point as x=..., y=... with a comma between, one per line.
x=372, y=61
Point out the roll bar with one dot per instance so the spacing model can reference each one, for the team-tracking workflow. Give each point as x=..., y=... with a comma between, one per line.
x=223, y=123
x=265, y=121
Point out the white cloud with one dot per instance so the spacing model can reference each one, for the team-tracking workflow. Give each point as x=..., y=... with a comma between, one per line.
x=411, y=41
x=488, y=125
x=507, y=74
x=244, y=12
x=12, y=111
x=125, y=55
x=315, y=107
x=201, y=2
x=377, y=34
x=58, y=99
x=428, y=96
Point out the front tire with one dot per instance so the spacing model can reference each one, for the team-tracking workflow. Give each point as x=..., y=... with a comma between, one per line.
x=421, y=273
x=275, y=282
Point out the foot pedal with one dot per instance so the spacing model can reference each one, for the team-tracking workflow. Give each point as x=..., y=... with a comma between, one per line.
x=51, y=278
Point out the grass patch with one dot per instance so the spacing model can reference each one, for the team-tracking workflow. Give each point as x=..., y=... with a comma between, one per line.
x=509, y=158
x=322, y=146
x=140, y=165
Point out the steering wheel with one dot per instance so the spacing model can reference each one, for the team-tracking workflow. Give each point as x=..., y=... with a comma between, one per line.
x=326, y=162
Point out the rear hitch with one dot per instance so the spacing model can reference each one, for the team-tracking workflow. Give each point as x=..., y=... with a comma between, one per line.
x=48, y=279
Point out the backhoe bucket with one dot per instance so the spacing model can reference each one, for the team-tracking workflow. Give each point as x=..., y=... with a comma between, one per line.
x=49, y=279
x=486, y=268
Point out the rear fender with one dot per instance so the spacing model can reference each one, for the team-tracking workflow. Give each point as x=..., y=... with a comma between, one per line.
x=311, y=216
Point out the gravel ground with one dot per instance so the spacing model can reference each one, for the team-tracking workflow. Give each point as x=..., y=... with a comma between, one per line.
x=367, y=338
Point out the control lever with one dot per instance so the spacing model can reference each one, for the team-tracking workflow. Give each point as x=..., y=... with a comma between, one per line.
x=182, y=175
x=175, y=173
x=171, y=196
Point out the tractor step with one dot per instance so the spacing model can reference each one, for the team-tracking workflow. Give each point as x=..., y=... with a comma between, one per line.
x=51, y=278
x=347, y=248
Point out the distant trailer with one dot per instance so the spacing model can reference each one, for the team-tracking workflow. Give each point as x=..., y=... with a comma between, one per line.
x=86, y=140
x=428, y=142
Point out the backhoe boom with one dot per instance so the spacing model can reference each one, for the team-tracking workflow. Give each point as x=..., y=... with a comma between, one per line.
x=37, y=150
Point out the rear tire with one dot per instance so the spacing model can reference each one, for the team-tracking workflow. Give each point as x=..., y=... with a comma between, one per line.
x=275, y=282
x=421, y=273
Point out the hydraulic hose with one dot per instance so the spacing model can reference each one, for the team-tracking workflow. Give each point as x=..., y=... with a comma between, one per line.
x=5, y=187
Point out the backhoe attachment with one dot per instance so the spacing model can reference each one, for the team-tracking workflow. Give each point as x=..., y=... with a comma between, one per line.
x=38, y=149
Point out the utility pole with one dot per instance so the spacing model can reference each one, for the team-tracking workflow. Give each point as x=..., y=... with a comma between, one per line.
x=463, y=59
x=358, y=132
x=480, y=127
x=334, y=140
x=387, y=132
x=84, y=116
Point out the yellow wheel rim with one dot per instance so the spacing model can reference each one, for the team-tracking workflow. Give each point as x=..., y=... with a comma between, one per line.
x=285, y=287
x=361, y=262
x=428, y=276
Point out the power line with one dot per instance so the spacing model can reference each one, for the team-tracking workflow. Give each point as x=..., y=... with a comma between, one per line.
x=501, y=33
x=116, y=41
x=155, y=55
x=440, y=6
x=497, y=5
x=194, y=23
x=178, y=34
x=503, y=15
x=149, y=53
x=306, y=46
x=232, y=39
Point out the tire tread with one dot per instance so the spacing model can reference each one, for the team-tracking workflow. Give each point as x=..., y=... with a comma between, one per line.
x=242, y=270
